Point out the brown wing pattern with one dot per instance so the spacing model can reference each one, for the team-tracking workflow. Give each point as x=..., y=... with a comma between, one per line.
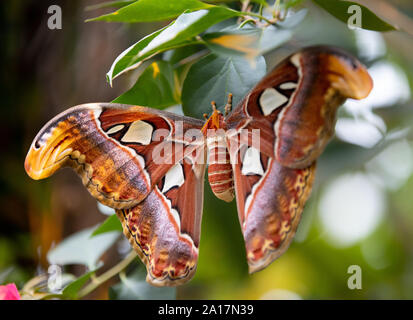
x=141, y=162
x=294, y=108
x=270, y=200
x=165, y=227
x=295, y=104
x=112, y=147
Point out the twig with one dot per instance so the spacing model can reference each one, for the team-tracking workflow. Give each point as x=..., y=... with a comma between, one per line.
x=107, y=275
x=250, y=20
x=248, y=15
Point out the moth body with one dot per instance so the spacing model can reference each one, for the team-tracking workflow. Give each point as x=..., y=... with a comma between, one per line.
x=219, y=168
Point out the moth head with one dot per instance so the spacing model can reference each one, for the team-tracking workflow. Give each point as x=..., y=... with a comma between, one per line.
x=215, y=121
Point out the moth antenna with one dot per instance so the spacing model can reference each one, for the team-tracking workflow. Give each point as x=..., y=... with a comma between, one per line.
x=228, y=106
x=214, y=106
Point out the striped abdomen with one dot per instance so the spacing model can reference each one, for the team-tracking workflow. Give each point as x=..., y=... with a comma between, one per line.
x=219, y=169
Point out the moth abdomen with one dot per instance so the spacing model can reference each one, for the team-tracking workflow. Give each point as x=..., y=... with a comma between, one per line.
x=220, y=175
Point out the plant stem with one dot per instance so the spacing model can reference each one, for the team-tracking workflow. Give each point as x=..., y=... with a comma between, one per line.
x=107, y=275
x=276, y=9
x=245, y=22
x=252, y=14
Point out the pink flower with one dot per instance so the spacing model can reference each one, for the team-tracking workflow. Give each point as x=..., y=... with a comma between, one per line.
x=9, y=292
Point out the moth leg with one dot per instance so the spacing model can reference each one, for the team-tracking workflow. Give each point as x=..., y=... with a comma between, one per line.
x=228, y=106
x=214, y=106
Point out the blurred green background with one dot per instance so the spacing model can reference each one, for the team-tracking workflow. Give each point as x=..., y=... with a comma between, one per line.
x=361, y=209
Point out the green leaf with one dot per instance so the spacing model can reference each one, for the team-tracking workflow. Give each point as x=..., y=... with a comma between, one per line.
x=369, y=20
x=81, y=248
x=293, y=19
x=238, y=42
x=263, y=2
x=213, y=77
x=178, y=33
x=251, y=41
x=155, y=88
x=111, y=223
x=152, y=10
x=291, y=3
x=248, y=42
x=180, y=55
x=182, y=58
x=110, y=4
x=72, y=289
x=134, y=287
x=129, y=58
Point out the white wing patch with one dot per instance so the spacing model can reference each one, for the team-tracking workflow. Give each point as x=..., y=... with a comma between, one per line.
x=115, y=129
x=251, y=197
x=139, y=132
x=174, y=177
x=251, y=163
x=295, y=60
x=270, y=100
x=288, y=85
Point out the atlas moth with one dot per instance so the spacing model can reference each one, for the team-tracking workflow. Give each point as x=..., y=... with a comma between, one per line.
x=158, y=196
